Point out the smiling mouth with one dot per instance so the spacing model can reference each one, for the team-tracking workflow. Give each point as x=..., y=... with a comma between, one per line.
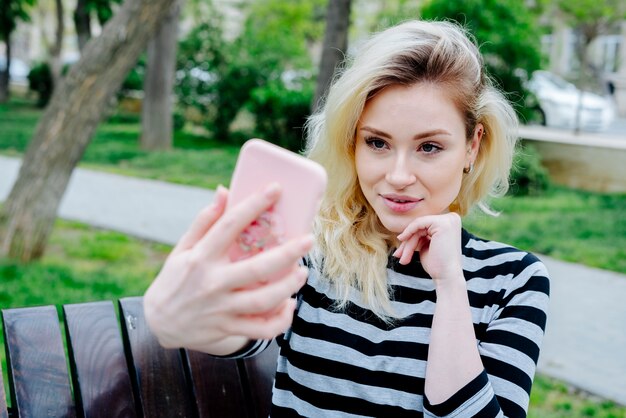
x=400, y=204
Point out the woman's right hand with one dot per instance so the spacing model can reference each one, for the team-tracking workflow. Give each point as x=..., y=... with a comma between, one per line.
x=202, y=301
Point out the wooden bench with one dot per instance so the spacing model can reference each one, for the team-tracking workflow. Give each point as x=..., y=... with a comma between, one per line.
x=112, y=371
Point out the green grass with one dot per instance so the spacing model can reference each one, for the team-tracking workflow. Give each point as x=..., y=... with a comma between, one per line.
x=553, y=399
x=195, y=160
x=81, y=264
x=572, y=225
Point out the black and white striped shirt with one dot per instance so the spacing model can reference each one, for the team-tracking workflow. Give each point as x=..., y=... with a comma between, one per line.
x=351, y=364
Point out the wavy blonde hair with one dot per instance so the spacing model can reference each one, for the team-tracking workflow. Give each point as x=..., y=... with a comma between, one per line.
x=352, y=245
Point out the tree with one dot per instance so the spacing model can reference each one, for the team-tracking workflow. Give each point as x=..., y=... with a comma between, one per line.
x=11, y=12
x=82, y=17
x=335, y=45
x=158, y=85
x=68, y=124
x=508, y=35
x=53, y=42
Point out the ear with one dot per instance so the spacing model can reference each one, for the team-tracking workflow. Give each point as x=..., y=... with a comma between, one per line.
x=474, y=144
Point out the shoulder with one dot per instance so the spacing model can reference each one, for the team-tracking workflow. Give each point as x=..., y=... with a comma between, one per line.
x=512, y=267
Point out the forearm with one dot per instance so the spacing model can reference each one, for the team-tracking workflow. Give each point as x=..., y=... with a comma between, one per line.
x=453, y=358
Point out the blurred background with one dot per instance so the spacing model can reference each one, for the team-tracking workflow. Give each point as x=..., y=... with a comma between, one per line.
x=168, y=90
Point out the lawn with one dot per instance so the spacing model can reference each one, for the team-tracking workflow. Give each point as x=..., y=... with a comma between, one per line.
x=572, y=225
x=84, y=264
x=195, y=160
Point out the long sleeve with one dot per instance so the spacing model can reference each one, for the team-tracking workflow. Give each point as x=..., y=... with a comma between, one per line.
x=508, y=342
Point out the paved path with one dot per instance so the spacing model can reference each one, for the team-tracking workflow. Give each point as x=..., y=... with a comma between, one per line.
x=585, y=342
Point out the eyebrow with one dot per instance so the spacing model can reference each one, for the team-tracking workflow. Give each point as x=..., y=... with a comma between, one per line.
x=421, y=135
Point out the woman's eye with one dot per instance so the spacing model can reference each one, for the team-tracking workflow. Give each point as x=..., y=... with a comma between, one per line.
x=430, y=148
x=376, y=143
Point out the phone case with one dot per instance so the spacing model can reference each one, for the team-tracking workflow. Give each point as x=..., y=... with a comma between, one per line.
x=303, y=182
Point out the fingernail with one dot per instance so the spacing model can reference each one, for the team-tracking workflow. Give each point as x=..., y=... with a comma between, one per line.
x=220, y=189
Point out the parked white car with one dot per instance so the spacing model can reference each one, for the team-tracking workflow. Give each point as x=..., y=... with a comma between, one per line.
x=559, y=101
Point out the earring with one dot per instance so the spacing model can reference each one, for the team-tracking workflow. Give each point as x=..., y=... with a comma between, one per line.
x=468, y=170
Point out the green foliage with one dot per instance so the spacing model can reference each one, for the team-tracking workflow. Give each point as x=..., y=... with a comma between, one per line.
x=11, y=12
x=40, y=81
x=134, y=79
x=281, y=112
x=221, y=77
x=509, y=38
x=178, y=120
x=528, y=176
x=101, y=8
x=592, y=14
x=200, y=61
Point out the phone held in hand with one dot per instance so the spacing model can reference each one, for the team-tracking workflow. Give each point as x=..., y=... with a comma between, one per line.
x=302, y=181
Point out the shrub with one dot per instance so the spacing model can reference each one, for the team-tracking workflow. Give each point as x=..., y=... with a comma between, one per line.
x=528, y=176
x=178, y=120
x=281, y=113
x=40, y=81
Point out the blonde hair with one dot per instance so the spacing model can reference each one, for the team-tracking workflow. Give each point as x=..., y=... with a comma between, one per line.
x=352, y=246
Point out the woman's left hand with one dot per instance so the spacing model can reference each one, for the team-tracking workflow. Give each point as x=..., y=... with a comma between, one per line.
x=437, y=238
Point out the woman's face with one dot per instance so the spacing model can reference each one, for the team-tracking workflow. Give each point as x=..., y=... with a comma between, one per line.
x=410, y=152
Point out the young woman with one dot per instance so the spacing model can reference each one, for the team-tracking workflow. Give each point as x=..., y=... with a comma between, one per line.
x=400, y=311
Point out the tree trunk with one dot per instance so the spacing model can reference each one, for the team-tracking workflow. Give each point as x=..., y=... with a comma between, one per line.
x=335, y=45
x=5, y=75
x=83, y=24
x=158, y=85
x=67, y=126
x=56, y=64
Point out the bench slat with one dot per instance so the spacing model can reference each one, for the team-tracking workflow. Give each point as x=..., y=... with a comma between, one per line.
x=217, y=386
x=38, y=375
x=99, y=370
x=158, y=374
x=260, y=371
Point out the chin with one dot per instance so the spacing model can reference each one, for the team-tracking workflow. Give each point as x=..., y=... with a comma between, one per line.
x=395, y=226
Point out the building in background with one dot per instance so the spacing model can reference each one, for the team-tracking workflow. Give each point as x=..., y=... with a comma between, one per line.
x=607, y=54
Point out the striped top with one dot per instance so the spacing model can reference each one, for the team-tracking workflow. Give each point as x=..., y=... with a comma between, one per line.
x=351, y=364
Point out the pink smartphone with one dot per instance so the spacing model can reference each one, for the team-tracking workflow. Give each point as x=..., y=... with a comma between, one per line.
x=303, y=182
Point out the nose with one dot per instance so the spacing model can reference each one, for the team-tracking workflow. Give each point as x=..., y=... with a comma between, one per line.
x=401, y=174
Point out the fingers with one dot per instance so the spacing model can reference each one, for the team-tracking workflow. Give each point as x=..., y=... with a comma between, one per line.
x=422, y=223
x=203, y=221
x=409, y=249
x=398, y=252
x=236, y=219
x=263, y=326
x=266, y=298
x=266, y=265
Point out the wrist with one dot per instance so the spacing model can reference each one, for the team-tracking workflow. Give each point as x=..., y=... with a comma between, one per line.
x=453, y=283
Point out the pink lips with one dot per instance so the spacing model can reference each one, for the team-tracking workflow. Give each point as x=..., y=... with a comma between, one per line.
x=398, y=203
